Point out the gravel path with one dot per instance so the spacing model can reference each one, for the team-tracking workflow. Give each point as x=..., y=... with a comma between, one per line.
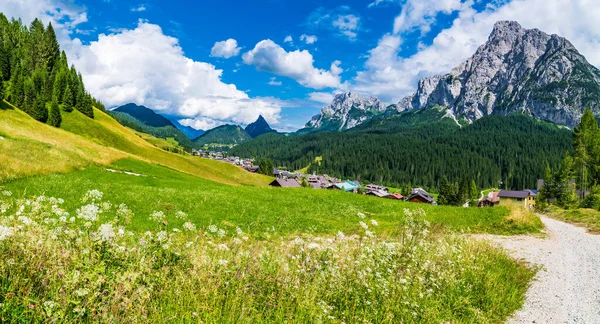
x=567, y=287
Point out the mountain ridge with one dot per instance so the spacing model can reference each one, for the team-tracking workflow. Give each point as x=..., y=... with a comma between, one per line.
x=259, y=127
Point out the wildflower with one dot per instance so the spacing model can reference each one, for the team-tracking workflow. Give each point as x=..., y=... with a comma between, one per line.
x=157, y=216
x=213, y=229
x=239, y=231
x=142, y=241
x=221, y=233
x=123, y=211
x=361, y=215
x=176, y=230
x=62, y=219
x=106, y=232
x=245, y=238
x=223, y=262
x=6, y=193
x=93, y=195
x=72, y=220
x=340, y=235
x=312, y=246
x=5, y=232
x=88, y=212
x=237, y=241
x=223, y=247
x=374, y=222
x=106, y=206
x=121, y=231
x=369, y=233
x=189, y=226
x=161, y=236
x=363, y=225
x=180, y=215
x=81, y=292
x=25, y=220
x=188, y=244
x=194, y=314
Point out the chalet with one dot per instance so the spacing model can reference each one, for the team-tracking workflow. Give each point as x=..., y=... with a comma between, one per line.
x=252, y=169
x=285, y=183
x=348, y=186
x=374, y=187
x=315, y=185
x=490, y=201
x=395, y=196
x=525, y=197
x=378, y=193
x=421, y=196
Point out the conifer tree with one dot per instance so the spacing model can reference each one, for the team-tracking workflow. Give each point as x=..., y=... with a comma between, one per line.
x=30, y=97
x=55, y=118
x=17, y=91
x=40, y=112
x=51, y=54
x=473, y=193
x=68, y=100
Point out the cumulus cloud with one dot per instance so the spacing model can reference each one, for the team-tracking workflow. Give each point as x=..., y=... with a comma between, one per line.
x=391, y=76
x=139, y=8
x=145, y=66
x=308, y=39
x=347, y=25
x=298, y=65
x=226, y=49
x=321, y=97
x=274, y=82
x=288, y=39
x=340, y=20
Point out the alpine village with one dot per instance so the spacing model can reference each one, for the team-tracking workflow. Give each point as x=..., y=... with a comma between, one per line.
x=139, y=184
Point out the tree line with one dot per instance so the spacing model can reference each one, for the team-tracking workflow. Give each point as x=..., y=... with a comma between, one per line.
x=35, y=75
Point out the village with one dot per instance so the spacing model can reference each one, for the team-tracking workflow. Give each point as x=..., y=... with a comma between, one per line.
x=285, y=179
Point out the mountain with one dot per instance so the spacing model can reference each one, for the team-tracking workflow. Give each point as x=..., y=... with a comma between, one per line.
x=190, y=132
x=226, y=134
x=516, y=70
x=346, y=111
x=145, y=120
x=259, y=127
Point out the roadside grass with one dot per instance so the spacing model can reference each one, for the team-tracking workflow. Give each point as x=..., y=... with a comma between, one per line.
x=259, y=209
x=32, y=148
x=521, y=220
x=584, y=217
x=62, y=267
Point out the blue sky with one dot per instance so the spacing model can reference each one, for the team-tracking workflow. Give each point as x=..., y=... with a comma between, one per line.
x=212, y=62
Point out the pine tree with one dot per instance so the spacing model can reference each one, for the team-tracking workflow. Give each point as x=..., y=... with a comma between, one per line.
x=28, y=105
x=55, y=118
x=51, y=54
x=17, y=90
x=585, y=142
x=40, y=112
x=68, y=100
x=473, y=193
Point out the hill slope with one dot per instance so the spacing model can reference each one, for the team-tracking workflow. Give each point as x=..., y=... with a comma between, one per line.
x=145, y=120
x=226, y=135
x=31, y=148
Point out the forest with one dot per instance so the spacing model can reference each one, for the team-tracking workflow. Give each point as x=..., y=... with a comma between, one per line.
x=421, y=148
x=35, y=75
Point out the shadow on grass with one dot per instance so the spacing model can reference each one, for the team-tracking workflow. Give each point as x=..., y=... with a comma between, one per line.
x=5, y=106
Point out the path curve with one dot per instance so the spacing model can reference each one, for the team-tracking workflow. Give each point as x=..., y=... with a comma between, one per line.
x=567, y=287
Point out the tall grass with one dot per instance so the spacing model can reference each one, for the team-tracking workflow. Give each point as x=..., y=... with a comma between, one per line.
x=521, y=220
x=62, y=267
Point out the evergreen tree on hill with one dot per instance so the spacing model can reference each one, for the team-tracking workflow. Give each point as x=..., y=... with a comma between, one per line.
x=55, y=118
x=40, y=112
x=68, y=99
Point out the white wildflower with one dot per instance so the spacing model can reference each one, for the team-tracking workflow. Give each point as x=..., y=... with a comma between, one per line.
x=223, y=247
x=62, y=219
x=176, y=230
x=361, y=215
x=213, y=229
x=369, y=233
x=312, y=246
x=106, y=232
x=157, y=216
x=223, y=262
x=121, y=231
x=81, y=292
x=93, y=195
x=25, y=220
x=363, y=225
x=123, y=211
x=72, y=220
x=5, y=232
x=188, y=244
x=340, y=235
x=6, y=193
x=239, y=231
x=181, y=215
x=374, y=222
x=161, y=236
x=106, y=206
x=237, y=241
x=245, y=238
x=88, y=212
x=221, y=233
x=189, y=226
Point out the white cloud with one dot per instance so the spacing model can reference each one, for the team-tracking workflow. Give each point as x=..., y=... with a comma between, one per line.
x=347, y=25
x=321, y=97
x=139, y=8
x=288, y=39
x=274, y=82
x=381, y=2
x=308, y=39
x=226, y=49
x=201, y=123
x=145, y=66
x=422, y=14
x=298, y=65
x=392, y=77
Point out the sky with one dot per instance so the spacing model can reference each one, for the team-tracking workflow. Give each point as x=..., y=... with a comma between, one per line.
x=212, y=62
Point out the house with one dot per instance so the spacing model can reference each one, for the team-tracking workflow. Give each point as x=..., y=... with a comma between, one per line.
x=525, y=197
x=395, y=196
x=378, y=193
x=315, y=185
x=374, y=187
x=285, y=183
x=252, y=169
x=490, y=201
x=421, y=196
x=345, y=186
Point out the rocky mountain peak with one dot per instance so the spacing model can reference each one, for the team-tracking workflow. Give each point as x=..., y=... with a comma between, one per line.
x=516, y=70
x=347, y=110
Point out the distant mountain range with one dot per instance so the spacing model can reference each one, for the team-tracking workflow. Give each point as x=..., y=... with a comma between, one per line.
x=189, y=131
x=516, y=71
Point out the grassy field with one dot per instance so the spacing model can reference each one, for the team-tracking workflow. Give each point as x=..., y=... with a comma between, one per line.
x=258, y=210
x=588, y=218
x=81, y=142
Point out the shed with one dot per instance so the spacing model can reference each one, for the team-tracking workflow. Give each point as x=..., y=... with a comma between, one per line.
x=285, y=183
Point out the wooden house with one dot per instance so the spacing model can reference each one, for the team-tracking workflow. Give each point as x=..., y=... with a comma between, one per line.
x=421, y=196
x=395, y=196
x=285, y=183
x=526, y=197
x=490, y=201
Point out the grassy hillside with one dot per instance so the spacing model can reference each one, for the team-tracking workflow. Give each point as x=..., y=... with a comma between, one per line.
x=82, y=141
